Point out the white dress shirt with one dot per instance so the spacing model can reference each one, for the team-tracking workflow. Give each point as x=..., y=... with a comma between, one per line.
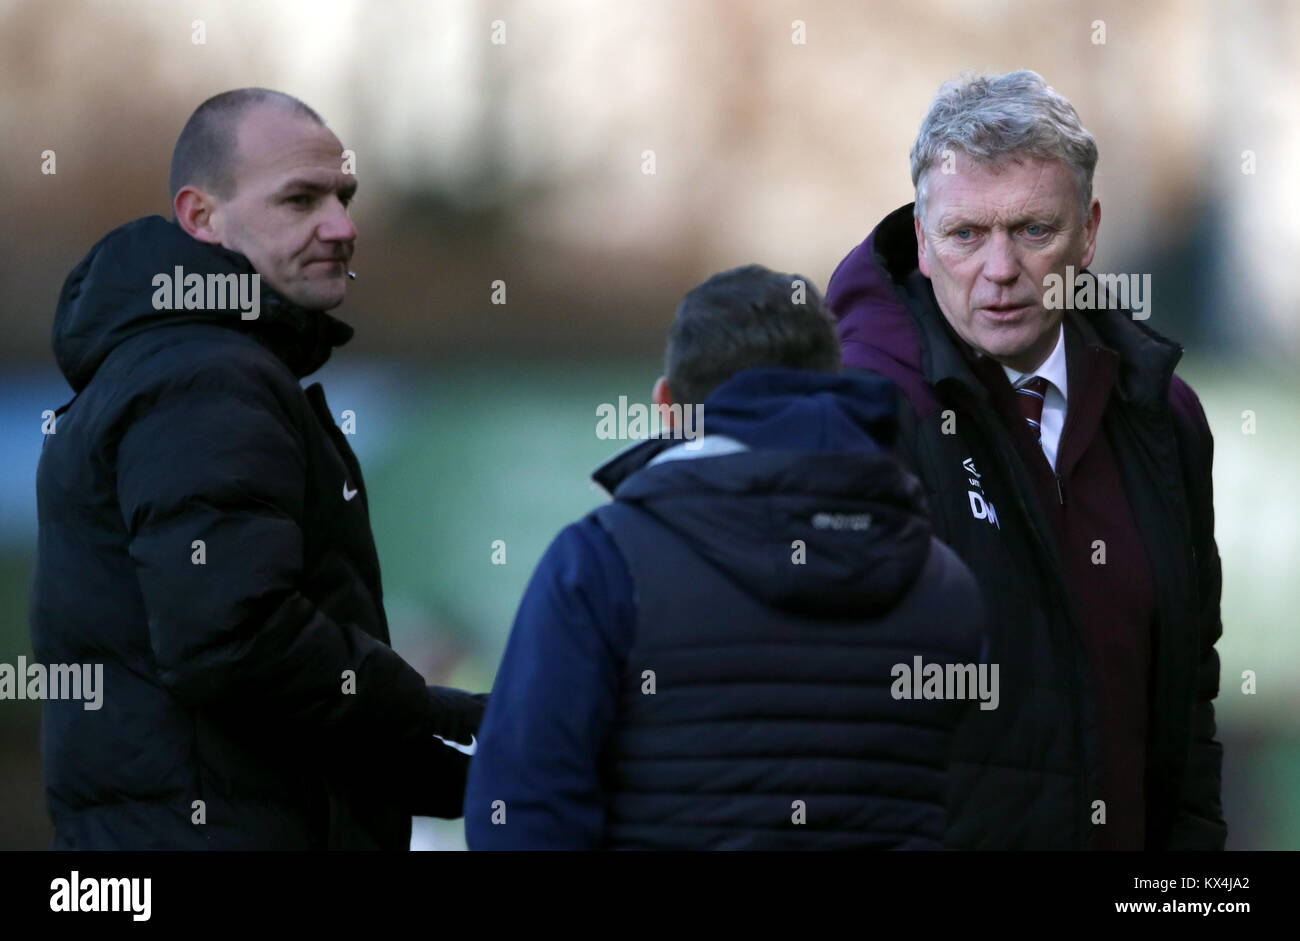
x=1054, y=401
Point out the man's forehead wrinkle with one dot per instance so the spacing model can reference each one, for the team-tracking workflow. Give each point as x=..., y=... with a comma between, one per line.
x=293, y=157
x=990, y=218
x=974, y=204
x=317, y=177
x=271, y=140
x=969, y=207
x=1039, y=177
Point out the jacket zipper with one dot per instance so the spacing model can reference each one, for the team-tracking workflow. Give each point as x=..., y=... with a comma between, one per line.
x=1084, y=834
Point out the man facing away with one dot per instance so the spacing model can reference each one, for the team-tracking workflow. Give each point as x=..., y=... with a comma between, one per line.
x=1066, y=465
x=204, y=526
x=715, y=660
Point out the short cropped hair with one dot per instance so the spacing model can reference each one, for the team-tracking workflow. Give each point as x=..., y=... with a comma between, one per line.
x=745, y=318
x=992, y=118
x=204, y=155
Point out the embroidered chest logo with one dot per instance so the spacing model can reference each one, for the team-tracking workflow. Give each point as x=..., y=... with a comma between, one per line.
x=981, y=507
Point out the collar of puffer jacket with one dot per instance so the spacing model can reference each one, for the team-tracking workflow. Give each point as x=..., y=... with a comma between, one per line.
x=109, y=295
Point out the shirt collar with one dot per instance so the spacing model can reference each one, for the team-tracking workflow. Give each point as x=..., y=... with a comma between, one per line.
x=1052, y=369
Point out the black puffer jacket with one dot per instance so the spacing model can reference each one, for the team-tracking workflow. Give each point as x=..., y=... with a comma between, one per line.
x=205, y=535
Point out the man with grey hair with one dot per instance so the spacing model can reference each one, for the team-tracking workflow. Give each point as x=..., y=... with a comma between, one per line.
x=1068, y=467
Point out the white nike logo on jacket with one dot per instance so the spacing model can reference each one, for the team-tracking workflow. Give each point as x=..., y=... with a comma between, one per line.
x=469, y=749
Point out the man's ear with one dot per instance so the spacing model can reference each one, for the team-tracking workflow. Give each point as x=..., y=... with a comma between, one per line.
x=920, y=246
x=661, y=395
x=1090, y=233
x=196, y=213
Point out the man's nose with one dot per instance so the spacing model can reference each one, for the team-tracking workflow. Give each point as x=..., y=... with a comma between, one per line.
x=1000, y=262
x=337, y=225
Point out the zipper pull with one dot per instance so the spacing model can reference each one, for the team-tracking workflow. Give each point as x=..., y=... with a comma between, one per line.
x=1060, y=491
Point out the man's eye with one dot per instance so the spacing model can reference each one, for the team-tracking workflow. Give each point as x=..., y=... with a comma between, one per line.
x=1034, y=230
x=964, y=235
x=302, y=199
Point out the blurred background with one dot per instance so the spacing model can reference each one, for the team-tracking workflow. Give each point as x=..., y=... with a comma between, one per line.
x=525, y=161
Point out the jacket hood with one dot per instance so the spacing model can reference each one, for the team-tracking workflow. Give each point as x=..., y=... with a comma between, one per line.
x=867, y=293
x=108, y=297
x=817, y=517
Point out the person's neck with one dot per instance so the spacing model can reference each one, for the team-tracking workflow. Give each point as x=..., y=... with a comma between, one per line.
x=1028, y=365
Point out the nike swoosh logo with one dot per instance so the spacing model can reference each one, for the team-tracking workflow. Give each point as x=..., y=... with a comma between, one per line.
x=469, y=749
x=348, y=494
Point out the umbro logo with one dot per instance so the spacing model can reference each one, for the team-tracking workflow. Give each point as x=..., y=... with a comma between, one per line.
x=348, y=494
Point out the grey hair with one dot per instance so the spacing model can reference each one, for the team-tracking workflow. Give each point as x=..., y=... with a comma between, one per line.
x=992, y=118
